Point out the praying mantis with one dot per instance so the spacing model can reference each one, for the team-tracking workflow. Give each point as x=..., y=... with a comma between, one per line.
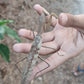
x=33, y=56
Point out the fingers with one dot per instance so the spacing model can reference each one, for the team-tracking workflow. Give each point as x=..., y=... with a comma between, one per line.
x=22, y=47
x=39, y=9
x=26, y=34
x=69, y=20
x=49, y=48
x=54, y=61
x=47, y=37
x=29, y=35
x=25, y=48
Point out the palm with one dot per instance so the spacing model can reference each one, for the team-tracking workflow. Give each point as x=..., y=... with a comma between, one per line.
x=69, y=40
x=68, y=43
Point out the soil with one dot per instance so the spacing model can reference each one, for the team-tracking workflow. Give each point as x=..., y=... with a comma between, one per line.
x=14, y=10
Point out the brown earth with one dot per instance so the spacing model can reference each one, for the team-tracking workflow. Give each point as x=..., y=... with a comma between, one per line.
x=13, y=9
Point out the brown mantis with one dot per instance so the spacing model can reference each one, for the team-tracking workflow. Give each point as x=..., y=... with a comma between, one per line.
x=34, y=52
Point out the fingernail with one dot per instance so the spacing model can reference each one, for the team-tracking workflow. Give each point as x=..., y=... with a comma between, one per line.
x=16, y=48
x=36, y=6
x=63, y=19
x=21, y=32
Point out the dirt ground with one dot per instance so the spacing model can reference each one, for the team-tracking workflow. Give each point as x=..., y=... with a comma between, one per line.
x=13, y=9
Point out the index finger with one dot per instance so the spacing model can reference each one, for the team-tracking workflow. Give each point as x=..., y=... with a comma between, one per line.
x=39, y=9
x=46, y=37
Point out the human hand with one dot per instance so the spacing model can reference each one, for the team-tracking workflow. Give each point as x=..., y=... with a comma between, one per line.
x=76, y=21
x=68, y=42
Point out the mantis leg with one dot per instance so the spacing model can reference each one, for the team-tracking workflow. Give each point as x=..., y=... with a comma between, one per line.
x=50, y=19
x=49, y=47
x=44, y=68
x=19, y=62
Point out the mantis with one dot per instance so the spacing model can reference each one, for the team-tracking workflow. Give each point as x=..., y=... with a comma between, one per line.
x=33, y=56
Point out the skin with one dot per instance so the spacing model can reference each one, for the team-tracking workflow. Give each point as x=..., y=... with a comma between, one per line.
x=67, y=41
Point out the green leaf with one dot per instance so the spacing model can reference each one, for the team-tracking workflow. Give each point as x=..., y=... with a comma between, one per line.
x=11, y=33
x=2, y=32
x=4, y=51
x=2, y=21
x=2, y=29
x=1, y=36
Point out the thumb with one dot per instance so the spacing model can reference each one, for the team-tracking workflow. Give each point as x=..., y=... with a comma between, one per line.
x=69, y=20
